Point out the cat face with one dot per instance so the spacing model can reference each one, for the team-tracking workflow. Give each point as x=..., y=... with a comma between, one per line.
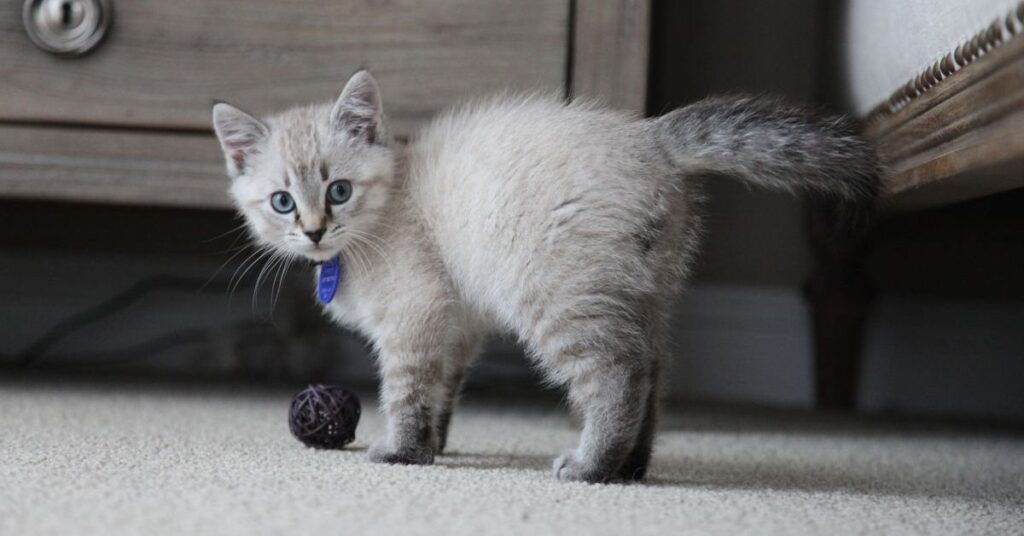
x=312, y=180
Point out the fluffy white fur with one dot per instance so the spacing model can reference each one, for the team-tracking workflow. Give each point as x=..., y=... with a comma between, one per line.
x=568, y=225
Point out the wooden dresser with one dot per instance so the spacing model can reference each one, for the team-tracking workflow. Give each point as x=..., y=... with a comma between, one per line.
x=128, y=120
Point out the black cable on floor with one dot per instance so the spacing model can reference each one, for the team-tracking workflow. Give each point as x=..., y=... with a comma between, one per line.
x=38, y=349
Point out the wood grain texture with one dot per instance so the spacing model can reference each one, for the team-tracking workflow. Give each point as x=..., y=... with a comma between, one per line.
x=164, y=62
x=610, y=52
x=962, y=139
x=115, y=166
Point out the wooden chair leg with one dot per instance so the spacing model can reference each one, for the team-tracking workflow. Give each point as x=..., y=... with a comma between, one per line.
x=839, y=294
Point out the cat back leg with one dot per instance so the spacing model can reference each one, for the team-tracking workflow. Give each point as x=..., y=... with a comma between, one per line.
x=605, y=359
x=635, y=466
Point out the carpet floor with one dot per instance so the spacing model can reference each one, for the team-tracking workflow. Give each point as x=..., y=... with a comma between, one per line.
x=197, y=460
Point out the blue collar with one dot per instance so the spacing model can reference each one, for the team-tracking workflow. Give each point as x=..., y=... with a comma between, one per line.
x=327, y=283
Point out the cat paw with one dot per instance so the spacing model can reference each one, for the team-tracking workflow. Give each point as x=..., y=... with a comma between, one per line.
x=635, y=467
x=569, y=468
x=631, y=471
x=381, y=452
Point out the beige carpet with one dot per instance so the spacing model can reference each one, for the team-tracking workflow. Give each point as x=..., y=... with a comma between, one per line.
x=105, y=460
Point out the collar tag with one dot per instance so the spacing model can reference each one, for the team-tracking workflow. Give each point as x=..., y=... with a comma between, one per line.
x=327, y=283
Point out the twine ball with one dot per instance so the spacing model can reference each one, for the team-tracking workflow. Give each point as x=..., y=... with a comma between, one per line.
x=324, y=416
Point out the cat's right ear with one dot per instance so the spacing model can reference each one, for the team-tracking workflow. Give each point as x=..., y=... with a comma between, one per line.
x=241, y=136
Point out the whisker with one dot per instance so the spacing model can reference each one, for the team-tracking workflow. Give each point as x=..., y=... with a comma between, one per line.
x=384, y=224
x=268, y=266
x=238, y=237
x=275, y=276
x=359, y=244
x=368, y=234
x=265, y=253
x=232, y=249
x=377, y=246
x=357, y=255
x=226, y=233
x=222, y=265
x=351, y=255
x=374, y=240
x=283, y=273
x=241, y=265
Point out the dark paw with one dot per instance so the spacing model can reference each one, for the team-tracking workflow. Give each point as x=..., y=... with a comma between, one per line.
x=635, y=466
x=631, y=472
x=381, y=452
x=569, y=468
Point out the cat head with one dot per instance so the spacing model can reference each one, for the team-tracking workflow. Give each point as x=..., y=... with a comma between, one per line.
x=310, y=180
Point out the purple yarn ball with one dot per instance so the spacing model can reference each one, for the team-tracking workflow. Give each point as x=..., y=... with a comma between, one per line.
x=324, y=416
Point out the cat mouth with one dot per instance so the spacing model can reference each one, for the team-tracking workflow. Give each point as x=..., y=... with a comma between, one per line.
x=320, y=253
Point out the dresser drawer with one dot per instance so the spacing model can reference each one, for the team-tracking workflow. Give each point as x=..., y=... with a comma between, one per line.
x=105, y=165
x=164, y=62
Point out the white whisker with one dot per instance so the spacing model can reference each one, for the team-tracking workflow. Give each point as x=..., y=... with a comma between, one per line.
x=226, y=233
x=367, y=240
x=267, y=265
x=282, y=274
x=222, y=265
x=262, y=254
x=360, y=257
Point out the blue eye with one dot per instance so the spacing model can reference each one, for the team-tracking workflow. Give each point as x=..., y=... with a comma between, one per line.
x=339, y=191
x=282, y=202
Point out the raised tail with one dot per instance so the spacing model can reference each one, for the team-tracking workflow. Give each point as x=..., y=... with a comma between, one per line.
x=768, y=142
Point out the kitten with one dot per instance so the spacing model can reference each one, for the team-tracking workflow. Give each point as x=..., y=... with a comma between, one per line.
x=571, y=226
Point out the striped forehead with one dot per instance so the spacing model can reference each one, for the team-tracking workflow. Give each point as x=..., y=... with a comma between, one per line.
x=300, y=149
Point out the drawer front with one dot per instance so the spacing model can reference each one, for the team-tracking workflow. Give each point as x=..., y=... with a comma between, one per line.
x=176, y=169
x=165, y=61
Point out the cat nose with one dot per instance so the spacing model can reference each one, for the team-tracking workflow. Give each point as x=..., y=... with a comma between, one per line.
x=316, y=235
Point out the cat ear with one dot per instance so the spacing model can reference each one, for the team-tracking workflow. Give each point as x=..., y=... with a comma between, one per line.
x=358, y=109
x=240, y=135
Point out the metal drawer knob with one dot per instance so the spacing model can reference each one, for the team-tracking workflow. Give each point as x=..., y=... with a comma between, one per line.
x=67, y=27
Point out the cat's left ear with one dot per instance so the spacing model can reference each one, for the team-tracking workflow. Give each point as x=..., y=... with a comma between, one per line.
x=240, y=134
x=358, y=110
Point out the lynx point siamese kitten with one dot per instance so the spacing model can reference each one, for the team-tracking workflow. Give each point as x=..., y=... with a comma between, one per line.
x=569, y=225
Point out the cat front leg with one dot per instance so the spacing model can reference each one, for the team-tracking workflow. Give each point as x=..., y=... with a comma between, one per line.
x=410, y=380
x=414, y=337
